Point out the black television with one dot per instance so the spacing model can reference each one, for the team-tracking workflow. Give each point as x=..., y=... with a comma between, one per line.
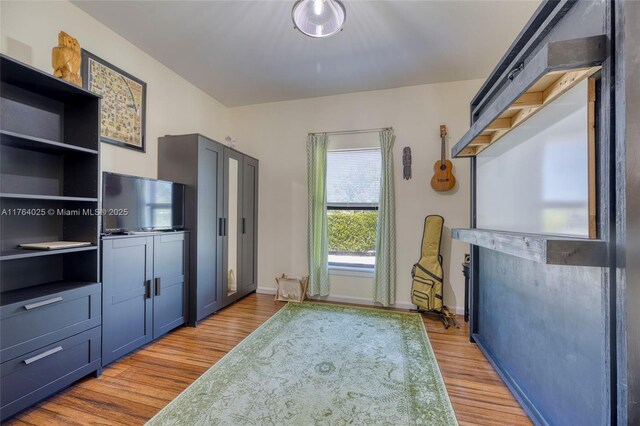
x=137, y=204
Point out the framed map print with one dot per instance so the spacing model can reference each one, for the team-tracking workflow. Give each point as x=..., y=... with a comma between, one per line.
x=123, y=105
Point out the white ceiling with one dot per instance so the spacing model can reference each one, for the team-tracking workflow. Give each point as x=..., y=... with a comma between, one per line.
x=247, y=52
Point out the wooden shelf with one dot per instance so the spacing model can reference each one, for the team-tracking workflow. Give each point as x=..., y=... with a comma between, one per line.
x=50, y=142
x=137, y=234
x=46, y=197
x=32, y=79
x=18, y=140
x=550, y=87
x=15, y=296
x=25, y=253
x=557, y=68
x=547, y=249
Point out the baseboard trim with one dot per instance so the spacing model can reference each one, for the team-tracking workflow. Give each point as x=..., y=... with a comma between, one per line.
x=528, y=406
x=355, y=300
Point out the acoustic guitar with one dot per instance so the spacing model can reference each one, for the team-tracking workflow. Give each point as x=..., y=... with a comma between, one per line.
x=443, y=179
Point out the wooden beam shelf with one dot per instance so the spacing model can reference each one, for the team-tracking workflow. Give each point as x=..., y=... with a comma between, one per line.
x=547, y=249
x=557, y=68
x=546, y=90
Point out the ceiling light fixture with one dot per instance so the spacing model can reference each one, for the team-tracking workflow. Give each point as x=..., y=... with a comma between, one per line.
x=318, y=18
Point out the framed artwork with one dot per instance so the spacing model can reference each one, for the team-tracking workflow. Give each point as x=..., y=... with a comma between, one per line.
x=123, y=105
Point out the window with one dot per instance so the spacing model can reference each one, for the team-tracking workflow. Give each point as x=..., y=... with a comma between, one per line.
x=158, y=209
x=353, y=188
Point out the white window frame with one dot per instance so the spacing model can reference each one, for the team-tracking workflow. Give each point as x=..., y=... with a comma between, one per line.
x=352, y=269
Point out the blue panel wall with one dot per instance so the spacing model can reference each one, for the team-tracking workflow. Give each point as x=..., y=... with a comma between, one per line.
x=545, y=327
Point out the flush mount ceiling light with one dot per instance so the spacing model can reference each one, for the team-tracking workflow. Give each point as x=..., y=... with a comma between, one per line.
x=318, y=18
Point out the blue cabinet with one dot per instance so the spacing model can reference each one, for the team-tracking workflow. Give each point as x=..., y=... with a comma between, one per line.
x=49, y=338
x=221, y=211
x=145, y=282
x=127, y=273
x=37, y=374
x=50, y=300
x=170, y=272
x=198, y=162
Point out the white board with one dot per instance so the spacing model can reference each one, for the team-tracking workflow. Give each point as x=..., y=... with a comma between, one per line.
x=536, y=179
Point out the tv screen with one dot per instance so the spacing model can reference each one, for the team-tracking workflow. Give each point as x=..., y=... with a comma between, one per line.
x=132, y=203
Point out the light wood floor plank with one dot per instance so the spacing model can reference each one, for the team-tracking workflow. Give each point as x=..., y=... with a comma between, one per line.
x=134, y=388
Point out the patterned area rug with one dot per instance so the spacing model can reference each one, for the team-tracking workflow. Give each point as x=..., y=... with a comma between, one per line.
x=316, y=363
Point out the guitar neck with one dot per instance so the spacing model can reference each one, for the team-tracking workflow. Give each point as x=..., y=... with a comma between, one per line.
x=443, y=135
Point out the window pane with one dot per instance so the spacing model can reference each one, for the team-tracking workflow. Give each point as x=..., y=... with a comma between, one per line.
x=353, y=176
x=352, y=236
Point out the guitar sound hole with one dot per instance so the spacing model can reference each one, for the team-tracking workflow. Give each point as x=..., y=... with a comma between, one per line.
x=443, y=167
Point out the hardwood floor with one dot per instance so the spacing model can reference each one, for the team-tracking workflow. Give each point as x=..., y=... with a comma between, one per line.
x=131, y=390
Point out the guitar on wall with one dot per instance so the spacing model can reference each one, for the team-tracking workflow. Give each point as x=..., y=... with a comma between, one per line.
x=443, y=179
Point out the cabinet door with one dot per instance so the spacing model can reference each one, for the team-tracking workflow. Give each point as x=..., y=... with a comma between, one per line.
x=127, y=272
x=207, y=291
x=232, y=244
x=249, y=225
x=170, y=264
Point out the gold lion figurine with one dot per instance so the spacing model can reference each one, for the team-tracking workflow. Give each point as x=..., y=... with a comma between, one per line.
x=66, y=59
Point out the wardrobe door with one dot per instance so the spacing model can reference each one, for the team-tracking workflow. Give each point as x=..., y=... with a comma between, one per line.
x=249, y=225
x=232, y=221
x=209, y=229
x=127, y=273
x=170, y=278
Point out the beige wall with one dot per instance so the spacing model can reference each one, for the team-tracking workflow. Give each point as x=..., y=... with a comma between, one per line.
x=276, y=134
x=174, y=106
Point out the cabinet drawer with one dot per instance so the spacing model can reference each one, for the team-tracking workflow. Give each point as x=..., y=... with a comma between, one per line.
x=32, y=324
x=36, y=375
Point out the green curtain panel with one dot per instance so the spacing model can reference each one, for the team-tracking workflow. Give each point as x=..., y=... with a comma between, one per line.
x=384, y=285
x=318, y=241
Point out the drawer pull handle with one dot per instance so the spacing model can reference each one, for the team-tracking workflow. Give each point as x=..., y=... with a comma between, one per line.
x=514, y=72
x=43, y=303
x=42, y=355
x=158, y=283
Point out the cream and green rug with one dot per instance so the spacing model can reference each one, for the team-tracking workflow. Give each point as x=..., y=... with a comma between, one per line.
x=315, y=363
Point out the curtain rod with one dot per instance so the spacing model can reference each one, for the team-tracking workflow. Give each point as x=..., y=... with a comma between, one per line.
x=352, y=132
